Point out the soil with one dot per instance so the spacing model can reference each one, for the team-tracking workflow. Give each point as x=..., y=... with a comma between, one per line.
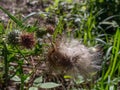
x=22, y=8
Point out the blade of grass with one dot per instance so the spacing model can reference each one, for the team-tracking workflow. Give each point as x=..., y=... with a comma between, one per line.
x=18, y=22
x=29, y=15
x=59, y=28
x=114, y=56
x=116, y=51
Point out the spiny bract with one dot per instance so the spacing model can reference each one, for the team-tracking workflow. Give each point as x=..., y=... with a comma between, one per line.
x=13, y=37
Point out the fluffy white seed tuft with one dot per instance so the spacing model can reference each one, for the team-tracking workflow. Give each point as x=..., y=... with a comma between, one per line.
x=73, y=58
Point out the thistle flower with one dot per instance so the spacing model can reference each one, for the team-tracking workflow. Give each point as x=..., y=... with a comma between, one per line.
x=73, y=58
x=13, y=37
x=27, y=40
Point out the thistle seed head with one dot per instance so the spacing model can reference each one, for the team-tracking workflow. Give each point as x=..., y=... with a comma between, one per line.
x=72, y=57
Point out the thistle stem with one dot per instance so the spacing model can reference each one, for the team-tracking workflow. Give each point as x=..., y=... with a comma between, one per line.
x=5, y=54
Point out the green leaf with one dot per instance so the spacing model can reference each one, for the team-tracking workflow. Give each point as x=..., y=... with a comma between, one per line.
x=49, y=85
x=79, y=80
x=16, y=79
x=112, y=87
x=27, y=79
x=33, y=88
x=31, y=28
x=1, y=28
x=38, y=80
x=67, y=77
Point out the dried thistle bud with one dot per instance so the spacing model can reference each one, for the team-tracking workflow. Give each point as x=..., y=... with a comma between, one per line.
x=27, y=40
x=50, y=29
x=13, y=37
x=71, y=57
x=40, y=32
x=51, y=19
